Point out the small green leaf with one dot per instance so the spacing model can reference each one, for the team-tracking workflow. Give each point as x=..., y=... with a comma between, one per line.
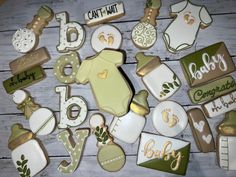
x=101, y=130
x=24, y=162
x=97, y=134
x=171, y=85
x=97, y=128
x=103, y=134
x=174, y=77
x=19, y=169
x=165, y=86
x=104, y=142
x=18, y=163
x=22, y=157
x=176, y=84
x=166, y=91
x=28, y=172
x=99, y=139
x=22, y=175
x=25, y=169
x=105, y=138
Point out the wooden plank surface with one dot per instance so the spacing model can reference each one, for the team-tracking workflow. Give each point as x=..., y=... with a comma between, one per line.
x=15, y=15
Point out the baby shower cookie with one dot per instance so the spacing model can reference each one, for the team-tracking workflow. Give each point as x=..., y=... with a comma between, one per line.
x=104, y=14
x=71, y=59
x=66, y=104
x=24, y=79
x=67, y=30
x=110, y=156
x=110, y=88
x=201, y=130
x=150, y=69
x=212, y=90
x=182, y=31
x=144, y=34
x=106, y=36
x=220, y=105
x=169, y=118
x=29, y=60
x=164, y=154
x=207, y=64
x=28, y=154
x=74, y=148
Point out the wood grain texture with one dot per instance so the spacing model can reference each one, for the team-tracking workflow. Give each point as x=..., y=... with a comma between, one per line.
x=16, y=15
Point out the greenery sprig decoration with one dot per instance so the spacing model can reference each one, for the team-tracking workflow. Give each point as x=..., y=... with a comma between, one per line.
x=149, y=3
x=167, y=86
x=24, y=171
x=101, y=134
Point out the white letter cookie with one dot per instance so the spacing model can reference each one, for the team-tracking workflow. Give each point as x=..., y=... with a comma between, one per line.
x=66, y=105
x=106, y=36
x=66, y=42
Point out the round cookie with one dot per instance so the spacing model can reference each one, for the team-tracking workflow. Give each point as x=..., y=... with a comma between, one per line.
x=24, y=40
x=169, y=118
x=106, y=36
x=144, y=35
x=96, y=120
x=71, y=59
x=42, y=121
x=111, y=158
x=19, y=96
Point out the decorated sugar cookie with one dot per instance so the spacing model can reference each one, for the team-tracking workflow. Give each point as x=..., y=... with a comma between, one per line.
x=67, y=30
x=71, y=59
x=169, y=118
x=201, y=130
x=28, y=154
x=150, y=69
x=226, y=142
x=106, y=36
x=164, y=154
x=66, y=104
x=182, y=31
x=104, y=14
x=74, y=148
x=111, y=91
x=144, y=34
x=128, y=127
x=110, y=156
x=42, y=121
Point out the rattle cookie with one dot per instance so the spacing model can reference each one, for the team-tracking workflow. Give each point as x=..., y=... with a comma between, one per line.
x=144, y=34
x=71, y=59
x=207, y=64
x=150, y=69
x=169, y=118
x=24, y=79
x=201, y=131
x=67, y=30
x=26, y=39
x=164, y=154
x=104, y=14
x=110, y=156
x=74, y=148
x=226, y=142
x=66, y=105
x=106, y=36
x=29, y=60
x=41, y=120
x=111, y=91
x=28, y=154
x=182, y=31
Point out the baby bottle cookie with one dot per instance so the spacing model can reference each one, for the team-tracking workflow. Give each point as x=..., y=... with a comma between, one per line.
x=110, y=156
x=28, y=154
x=144, y=34
x=128, y=127
x=151, y=69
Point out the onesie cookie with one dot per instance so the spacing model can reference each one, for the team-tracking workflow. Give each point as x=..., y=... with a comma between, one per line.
x=207, y=64
x=182, y=31
x=201, y=130
x=67, y=29
x=106, y=36
x=144, y=34
x=104, y=14
x=220, y=105
x=163, y=154
x=71, y=59
x=150, y=69
x=169, y=118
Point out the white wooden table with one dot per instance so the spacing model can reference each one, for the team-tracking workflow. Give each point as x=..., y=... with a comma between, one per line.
x=17, y=13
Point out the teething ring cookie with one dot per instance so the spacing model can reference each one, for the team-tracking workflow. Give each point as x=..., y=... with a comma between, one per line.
x=24, y=40
x=71, y=59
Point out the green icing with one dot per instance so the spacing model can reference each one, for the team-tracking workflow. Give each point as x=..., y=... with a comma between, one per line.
x=24, y=79
x=162, y=165
x=154, y=4
x=22, y=168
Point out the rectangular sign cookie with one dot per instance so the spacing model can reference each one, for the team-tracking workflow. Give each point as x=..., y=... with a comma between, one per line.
x=29, y=60
x=212, y=90
x=207, y=64
x=220, y=105
x=163, y=153
x=103, y=14
x=24, y=79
